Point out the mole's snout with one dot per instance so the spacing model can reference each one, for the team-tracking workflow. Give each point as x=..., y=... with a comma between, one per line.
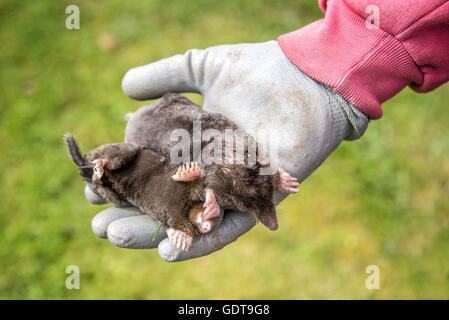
x=275, y=227
x=270, y=221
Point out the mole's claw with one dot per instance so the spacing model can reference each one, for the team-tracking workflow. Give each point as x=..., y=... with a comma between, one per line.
x=287, y=183
x=187, y=172
x=180, y=239
x=98, y=169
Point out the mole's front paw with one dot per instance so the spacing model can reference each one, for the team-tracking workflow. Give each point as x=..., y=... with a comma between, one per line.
x=180, y=239
x=98, y=169
x=187, y=172
x=287, y=183
x=212, y=209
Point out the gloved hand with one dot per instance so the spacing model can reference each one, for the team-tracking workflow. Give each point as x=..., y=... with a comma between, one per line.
x=257, y=87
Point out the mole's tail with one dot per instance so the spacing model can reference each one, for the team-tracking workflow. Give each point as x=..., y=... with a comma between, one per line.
x=85, y=168
x=74, y=150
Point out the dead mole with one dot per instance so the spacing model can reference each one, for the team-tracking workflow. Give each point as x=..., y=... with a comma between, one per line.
x=188, y=198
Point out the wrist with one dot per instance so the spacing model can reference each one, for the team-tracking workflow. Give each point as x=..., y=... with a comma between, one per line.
x=365, y=65
x=348, y=121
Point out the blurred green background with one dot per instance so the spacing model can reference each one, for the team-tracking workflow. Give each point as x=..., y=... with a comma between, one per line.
x=382, y=200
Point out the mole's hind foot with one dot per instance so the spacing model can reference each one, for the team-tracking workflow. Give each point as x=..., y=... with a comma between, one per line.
x=180, y=239
x=187, y=172
x=98, y=169
x=204, y=226
x=287, y=183
x=196, y=216
x=212, y=209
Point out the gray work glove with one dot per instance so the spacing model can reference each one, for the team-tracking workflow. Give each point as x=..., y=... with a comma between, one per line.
x=257, y=87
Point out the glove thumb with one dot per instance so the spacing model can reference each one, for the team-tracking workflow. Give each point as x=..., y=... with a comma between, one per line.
x=179, y=73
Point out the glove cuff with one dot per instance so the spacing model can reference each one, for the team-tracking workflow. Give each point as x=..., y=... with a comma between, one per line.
x=349, y=122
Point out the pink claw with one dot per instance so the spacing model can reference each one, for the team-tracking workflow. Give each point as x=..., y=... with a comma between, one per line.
x=187, y=172
x=180, y=239
x=98, y=169
x=287, y=183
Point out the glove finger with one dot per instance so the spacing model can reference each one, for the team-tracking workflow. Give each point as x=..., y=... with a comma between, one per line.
x=136, y=232
x=234, y=224
x=101, y=221
x=93, y=197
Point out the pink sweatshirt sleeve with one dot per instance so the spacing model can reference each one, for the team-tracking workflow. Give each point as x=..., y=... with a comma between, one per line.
x=369, y=50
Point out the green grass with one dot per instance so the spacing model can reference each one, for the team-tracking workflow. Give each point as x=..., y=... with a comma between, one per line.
x=382, y=200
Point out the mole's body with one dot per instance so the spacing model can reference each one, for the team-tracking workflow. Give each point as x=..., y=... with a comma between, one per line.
x=187, y=199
